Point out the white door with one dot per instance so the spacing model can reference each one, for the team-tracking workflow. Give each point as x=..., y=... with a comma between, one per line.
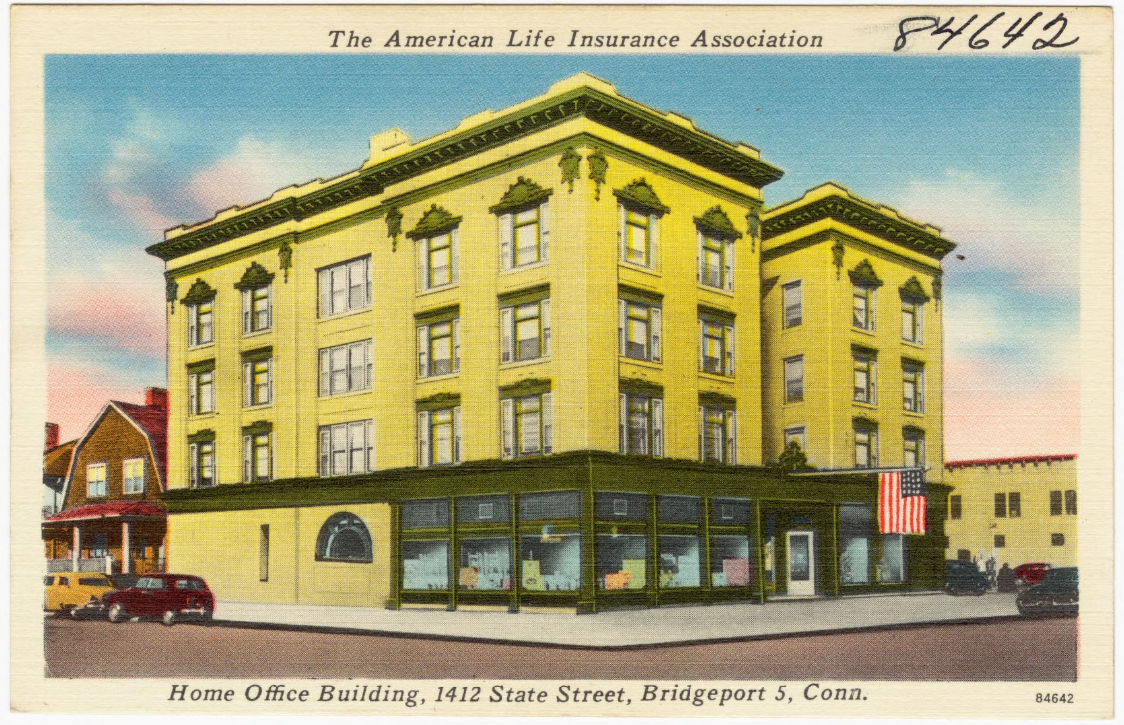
x=801, y=563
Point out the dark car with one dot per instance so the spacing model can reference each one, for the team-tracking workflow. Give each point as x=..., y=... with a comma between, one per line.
x=1027, y=575
x=170, y=597
x=1055, y=594
x=964, y=577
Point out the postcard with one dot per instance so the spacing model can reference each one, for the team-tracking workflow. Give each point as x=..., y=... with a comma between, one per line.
x=564, y=361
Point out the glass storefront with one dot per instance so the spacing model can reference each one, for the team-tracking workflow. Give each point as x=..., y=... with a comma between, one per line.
x=680, y=561
x=622, y=561
x=730, y=562
x=485, y=564
x=891, y=569
x=425, y=565
x=550, y=562
x=855, y=525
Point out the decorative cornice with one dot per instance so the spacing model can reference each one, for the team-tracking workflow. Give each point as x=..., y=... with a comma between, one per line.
x=257, y=428
x=641, y=193
x=529, y=386
x=860, y=216
x=718, y=400
x=715, y=220
x=864, y=274
x=254, y=276
x=201, y=366
x=570, y=163
x=434, y=221
x=913, y=290
x=598, y=166
x=641, y=387
x=260, y=353
x=201, y=436
x=522, y=194
x=200, y=292
x=439, y=400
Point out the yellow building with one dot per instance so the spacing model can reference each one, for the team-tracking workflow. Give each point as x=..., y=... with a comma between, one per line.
x=1013, y=510
x=514, y=364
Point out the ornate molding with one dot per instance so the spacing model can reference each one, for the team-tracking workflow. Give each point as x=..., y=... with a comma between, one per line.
x=718, y=400
x=520, y=195
x=171, y=292
x=530, y=386
x=837, y=250
x=864, y=274
x=257, y=428
x=938, y=287
x=285, y=258
x=641, y=387
x=200, y=292
x=435, y=221
x=641, y=193
x=206, y=435
x=913, y=290
x=254, y=276
x=715, y=220
x=439, y=400
x=570, y=163
x=598, y=167
x=753, y=225
x=393, y=226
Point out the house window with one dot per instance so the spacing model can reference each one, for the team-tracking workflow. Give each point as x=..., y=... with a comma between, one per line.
x=524, y=237
x=955, y=506
x=439, y=348
x=639, y=330
x=133, y=471
x=438, y=257
x=201, y=461
x=913, y=387
x=912, y=324
x=96, y=474
x=913, y=444
x=794, y=379
x=1056, y=503
x=863, y=307
x=99, y=547
x=257, y=309
x=718, y=435
x=1000, y=505
x=345, y=287
x=1057, y=539
x=1071, y=502
x=796, y=434
x=257, y=382
x=201, y=391
x=639, y=236
x=792, y=296
x=716, y=346
x=1014, y=505
x=525, y=331
x=347, y=448
x=344, y=537
x=865, y=376
x=345, y=368
x=641, y=424
x=439, y=436
x=1000, y=541
x=257, y=457
x=716, y=262
x=200, y=323
x=527, y=425
x=263, y=553
x=866, y=445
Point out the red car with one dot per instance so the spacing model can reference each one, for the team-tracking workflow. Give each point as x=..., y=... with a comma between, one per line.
x=168, y=596
x=1027, y=575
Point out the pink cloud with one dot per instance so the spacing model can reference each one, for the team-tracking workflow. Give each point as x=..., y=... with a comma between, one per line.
x=129, y=317
x=140, y=210
x=250, y=173
x=76, y=393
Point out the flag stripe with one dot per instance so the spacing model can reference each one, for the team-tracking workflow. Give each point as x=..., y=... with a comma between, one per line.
x=898, y=513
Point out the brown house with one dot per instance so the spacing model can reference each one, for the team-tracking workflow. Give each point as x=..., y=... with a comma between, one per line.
x=56, y=466
x=112, y=517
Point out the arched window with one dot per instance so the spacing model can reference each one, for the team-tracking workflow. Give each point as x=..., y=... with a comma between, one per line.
x=344, y=537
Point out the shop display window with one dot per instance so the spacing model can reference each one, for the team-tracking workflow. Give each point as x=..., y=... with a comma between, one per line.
x=425, y=565
x=483, y=509
x=730, y=562
x=680, y=510
x=613, y=506
x=891, y=570
x=485, y=565
x=550, y=506
x=680, y=561
x=854, y=532
x=550, y=562
x=769, y=537
x=426, y=513
x=622, y=561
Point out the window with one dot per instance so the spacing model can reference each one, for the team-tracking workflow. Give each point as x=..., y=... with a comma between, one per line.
x=485, y=564
x=1057, y=539
x=855, y=531
x=865, y=376
x=524, y=237
x=622, y=561
x=263, y=553
x=1071, y=502
x=717, y=346
x=912, y=321
x=1014, y=505
x=99, y=547
x=257, y=381
x=1055, y=503
x=345, y=368
x=425, y=565
x=438, y=259
x=1000, y=505
x=866, y=445
x=639, y=236
x=344, y=537
x=439, y=348
x=964, y=554
x=200, y=323
x=347, y=448
x=863, y=307
x=716, y=262
x=1000, y=541
x=345, y=287
x=527, y=425
x=639, y=330
x=718, y=435
x=439, y=436
x=913, y=448
x=525, y=331
x=96, y=479
x=133, y=471
x=891, y=570
x=550, y=562
x=201, y=390
x=641, y=424
x=913, y=387
x=955, y=506
x=257, y=309
x=794, y=379
x=201, y=462
x=257, y=456
x=797, y=434
x=792, y=297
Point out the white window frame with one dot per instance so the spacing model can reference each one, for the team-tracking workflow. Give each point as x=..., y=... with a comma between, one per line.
x=511, y=424
x=250, y=322
x=869, y=293
x=426, y=366
x=425, y=259
x=359, y=377
x=344, y=277
x=427, y=448
x=252, y=465
x=918, y=439
x=918, y=330
x=653, y=347
x=798, y=433
x=726, y=250
x=790, y=365
x=867, y=364
x=350, y=438
x=102, y=490
x=132, y=484
x=195, y=326
x=651, y=235
x=795, y=290
x=653, y=412
x=871, y=433
x=510, y=222
x=195, y=458
x=201, y=392
x=250, y=390
x=918, y=373
x=729, y=438
x=727, y=344
x=509, y=331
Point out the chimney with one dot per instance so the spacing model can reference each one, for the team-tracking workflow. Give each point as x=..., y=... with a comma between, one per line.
x=156, y=398
x=52, y=436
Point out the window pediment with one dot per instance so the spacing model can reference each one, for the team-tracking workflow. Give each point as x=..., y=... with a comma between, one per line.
x=254, y=276
x=522, y=194
x=715, y=221
x=863, y=274
x=200, y=292
x=640, y=193
x=435, y=221
x=257, y=428
x=912, y=290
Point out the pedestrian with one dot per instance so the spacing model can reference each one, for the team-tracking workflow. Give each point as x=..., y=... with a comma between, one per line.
x=1005, y=579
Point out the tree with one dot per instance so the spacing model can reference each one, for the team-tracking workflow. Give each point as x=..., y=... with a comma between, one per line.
x=793, y=458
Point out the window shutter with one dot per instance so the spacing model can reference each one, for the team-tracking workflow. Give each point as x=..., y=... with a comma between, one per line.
x=507, y=233
x=457, y=438
x=193, y=464
x=507, y=330
x=454, y=254
x=545, y=321
x=547, y=422
x=456, y=345
x=657, y=427
x=657, y=315
x=654, y=239
x=192, y=394
x=247, y=458
x=699, y=271
x=325, y=451
x=325, y=373
x=247, y=384
x=702, y=430
x=544, y=231
x=731, y=349
x=247, y=307
x=325, y=292
x=507, y=415
x=423, y=438
x=622, y=415
x=622, y=231
x=731, y=436
x=729, y=260
x=423, y=351
x=423, y=270
x=192, y=324
x=622, y=324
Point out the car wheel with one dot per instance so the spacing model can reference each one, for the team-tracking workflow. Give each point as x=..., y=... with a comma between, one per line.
x=117, y=613
x=169, y=618
x=207, y=616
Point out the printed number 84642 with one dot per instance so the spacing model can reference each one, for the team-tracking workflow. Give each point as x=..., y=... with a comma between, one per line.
x=1054, y=698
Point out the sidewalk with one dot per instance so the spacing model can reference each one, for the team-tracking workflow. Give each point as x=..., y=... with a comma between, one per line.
x=635, y=627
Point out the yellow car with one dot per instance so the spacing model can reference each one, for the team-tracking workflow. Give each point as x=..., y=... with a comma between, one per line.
x=67, y=589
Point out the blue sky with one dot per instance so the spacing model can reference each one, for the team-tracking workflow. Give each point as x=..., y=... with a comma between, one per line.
x=984, y=147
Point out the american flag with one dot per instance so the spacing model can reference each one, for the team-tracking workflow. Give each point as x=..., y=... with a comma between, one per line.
x=901, y=501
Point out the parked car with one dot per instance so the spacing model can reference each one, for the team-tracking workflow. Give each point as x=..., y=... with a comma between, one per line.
x=964, y=577
x=1056, y=593
x=69, y=589
x=1027, y=575
x=170, y=597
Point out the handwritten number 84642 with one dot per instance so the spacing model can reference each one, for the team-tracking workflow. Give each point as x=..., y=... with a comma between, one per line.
x=979, y=37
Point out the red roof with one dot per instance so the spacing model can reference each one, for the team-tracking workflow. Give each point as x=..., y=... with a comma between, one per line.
x=111, y=509
x=154, y=421
x=1010, y=461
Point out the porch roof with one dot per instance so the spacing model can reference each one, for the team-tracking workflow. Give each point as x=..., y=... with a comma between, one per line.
x=112, y=509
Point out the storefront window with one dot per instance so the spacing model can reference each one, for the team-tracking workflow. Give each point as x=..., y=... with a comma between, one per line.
x=854, y=530
x=425, y=564
x=621, y=561
x=428, y=513
x=730, y=562
x=770, y=538
x=891, y=570
x=550, y=562
x=613, y=506
x=680, y=561
x=485, y=564
x=550, y=506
